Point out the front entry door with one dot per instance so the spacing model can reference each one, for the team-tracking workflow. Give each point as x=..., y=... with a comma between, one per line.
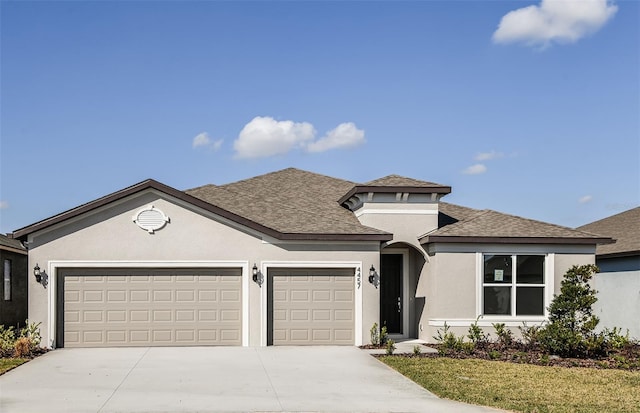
x=391, y=273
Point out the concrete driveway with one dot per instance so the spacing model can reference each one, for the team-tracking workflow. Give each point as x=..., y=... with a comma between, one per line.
x=220, y=379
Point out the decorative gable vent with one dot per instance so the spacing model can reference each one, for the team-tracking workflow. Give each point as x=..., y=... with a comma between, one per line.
x=150, y=219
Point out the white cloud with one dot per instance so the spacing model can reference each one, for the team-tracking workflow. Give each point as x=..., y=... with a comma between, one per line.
x=264, y=136
x=4, y=205
x=203, y=140
x=585, y=199
x=561, y=21
x=476, y=169
x=345, y=135
x=487, y=156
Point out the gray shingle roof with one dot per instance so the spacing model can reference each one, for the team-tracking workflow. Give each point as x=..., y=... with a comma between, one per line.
x=289, y=201
x=623, y=227
x=397, y=180
x=486, y=225
x=11, y=244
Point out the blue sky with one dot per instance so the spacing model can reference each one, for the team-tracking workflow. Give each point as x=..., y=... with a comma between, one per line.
x=524, y=107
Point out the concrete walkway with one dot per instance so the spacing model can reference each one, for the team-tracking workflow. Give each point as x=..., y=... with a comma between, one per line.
x=214, y=379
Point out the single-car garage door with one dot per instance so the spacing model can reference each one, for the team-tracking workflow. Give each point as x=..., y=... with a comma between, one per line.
x=311, y=306
x=153, y=307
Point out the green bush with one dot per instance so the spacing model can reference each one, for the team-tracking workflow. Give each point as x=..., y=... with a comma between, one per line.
x=417, y=350
x=384, y=336
x=530, y=335
x=375, y=335
x=570, y=332
x=476, y=334
x=7, y=341
x=390, y=346
x=505, y=335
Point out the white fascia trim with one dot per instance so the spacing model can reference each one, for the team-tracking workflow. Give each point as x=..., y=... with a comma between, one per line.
x=363, y=211
x=356, y=265
x=54, y=265
x=487, y=321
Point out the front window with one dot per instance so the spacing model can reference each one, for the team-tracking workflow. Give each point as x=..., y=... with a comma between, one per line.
x=7, y=280
x=513, y=285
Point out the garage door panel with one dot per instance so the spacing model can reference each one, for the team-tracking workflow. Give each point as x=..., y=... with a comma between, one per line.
x=311, y=306
x=192, y=308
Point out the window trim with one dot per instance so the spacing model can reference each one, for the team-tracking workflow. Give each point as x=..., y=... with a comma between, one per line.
x=548, y=285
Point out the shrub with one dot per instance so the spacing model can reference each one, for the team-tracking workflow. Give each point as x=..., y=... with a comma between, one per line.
x=494, y=354
x=390, y=346
x=23, y=347
x=530, y=335
x=505, y=336
x=384, y=336
x=571, y=320
x=32, y=332
x=7, y=340
x=416, y=350
x=476, y=334
x=375, y=335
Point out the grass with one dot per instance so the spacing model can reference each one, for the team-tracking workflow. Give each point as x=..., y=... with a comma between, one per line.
x=523, y=387
x=8, y=364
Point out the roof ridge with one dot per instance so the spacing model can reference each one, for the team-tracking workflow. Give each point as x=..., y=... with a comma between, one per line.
x=460, y=222
x=610, y=217
x=542, y=222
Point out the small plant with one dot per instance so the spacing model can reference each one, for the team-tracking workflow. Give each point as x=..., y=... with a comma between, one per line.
x=7, y=341
x=476, y=334
x=545, y=359
x=416, y=350
x=390, y=346
x=23, y=347
x=494, y=354
x=375, y=335
x=530, y=335
x=32, y=332
x=384, y=336
x=505, y=336
x=615, y=340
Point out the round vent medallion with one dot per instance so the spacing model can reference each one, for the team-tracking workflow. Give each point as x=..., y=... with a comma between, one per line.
x=150, y=219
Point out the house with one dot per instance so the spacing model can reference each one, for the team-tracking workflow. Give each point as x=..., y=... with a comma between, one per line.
x=618, y=283
x=288, y=258
x=13, y=289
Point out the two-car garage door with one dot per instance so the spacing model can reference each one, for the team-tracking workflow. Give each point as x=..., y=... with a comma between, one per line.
x=137, y=307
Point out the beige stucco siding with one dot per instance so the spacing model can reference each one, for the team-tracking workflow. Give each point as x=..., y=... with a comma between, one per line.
x=191, y=236
x=450, y=283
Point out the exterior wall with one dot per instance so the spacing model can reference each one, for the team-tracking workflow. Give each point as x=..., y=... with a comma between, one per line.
x=618, y=286
x=14, y=312
x=451, y=283
x=406, y=221
x=193, y=237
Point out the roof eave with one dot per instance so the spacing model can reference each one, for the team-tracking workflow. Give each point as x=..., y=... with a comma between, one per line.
x=152, y=184
x=359, y=189
x=432, y=239
x=621, y=254
x=333, y=237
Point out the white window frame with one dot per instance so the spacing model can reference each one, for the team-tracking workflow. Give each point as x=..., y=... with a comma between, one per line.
x=547, y=285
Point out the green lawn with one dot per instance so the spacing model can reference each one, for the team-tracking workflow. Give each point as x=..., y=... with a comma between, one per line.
x=524, y=387
x=8, y=364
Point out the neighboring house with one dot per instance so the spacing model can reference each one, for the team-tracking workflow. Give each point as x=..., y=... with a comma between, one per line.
x=618, y=282
x=13, y=287
x=290, y=257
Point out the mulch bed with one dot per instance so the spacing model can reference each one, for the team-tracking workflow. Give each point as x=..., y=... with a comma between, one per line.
x=627, y=358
